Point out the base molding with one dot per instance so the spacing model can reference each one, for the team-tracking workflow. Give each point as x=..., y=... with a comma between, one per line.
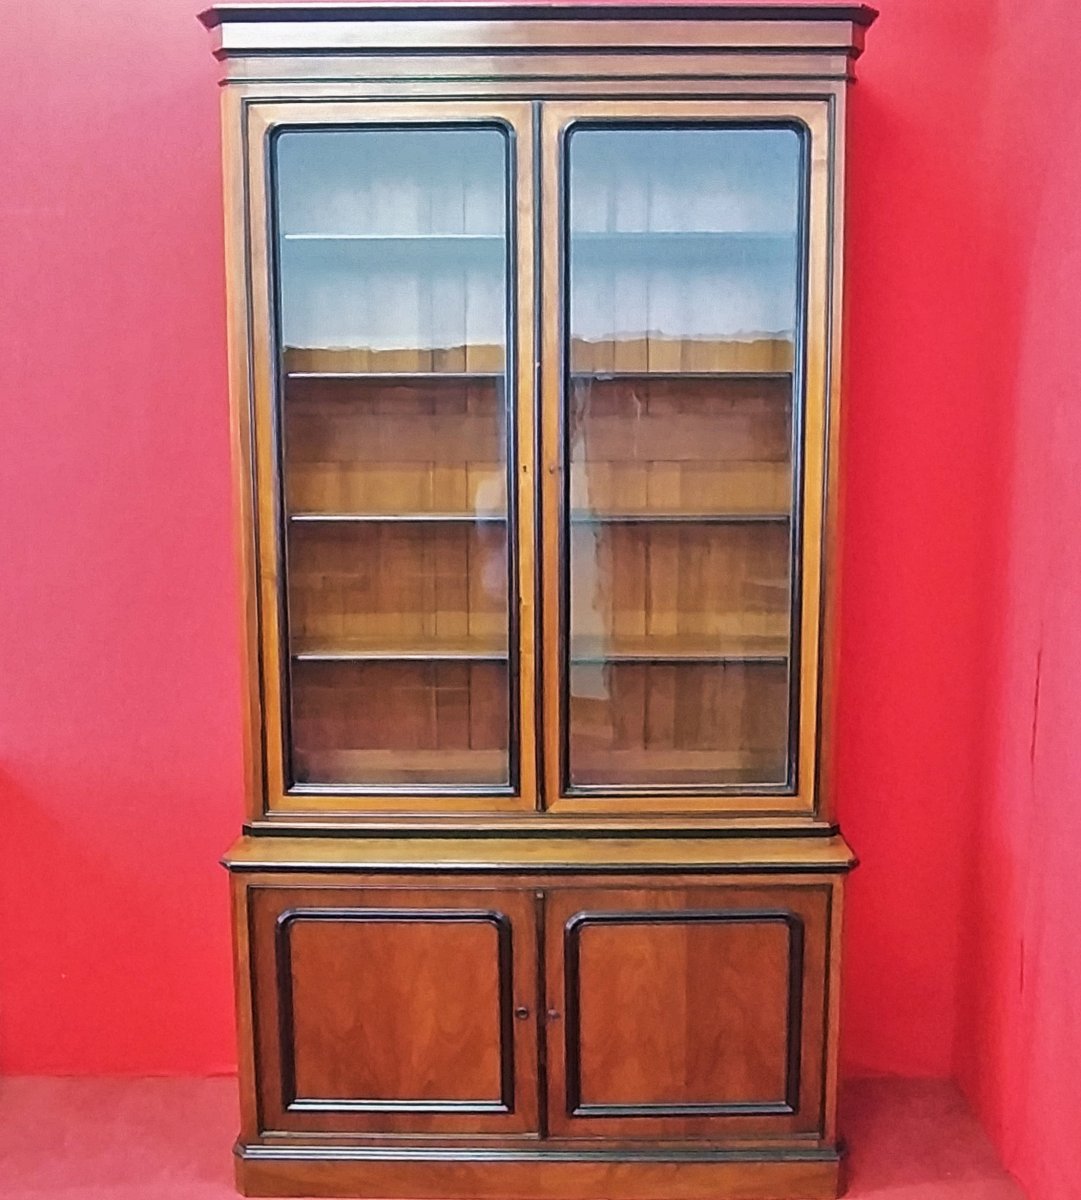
x=475, y=1174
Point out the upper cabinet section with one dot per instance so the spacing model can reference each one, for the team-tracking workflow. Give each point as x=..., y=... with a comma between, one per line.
x=535, y=344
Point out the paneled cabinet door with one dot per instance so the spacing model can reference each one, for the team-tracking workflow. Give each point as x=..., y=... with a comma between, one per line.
x=686, y=1013
x=394, y=1011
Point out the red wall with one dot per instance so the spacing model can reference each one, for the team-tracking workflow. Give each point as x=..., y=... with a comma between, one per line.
x=919, y=493
x=1019, y=1049
x=120, y=761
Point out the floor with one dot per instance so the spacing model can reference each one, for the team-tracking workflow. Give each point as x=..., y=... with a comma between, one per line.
x=168, y=1139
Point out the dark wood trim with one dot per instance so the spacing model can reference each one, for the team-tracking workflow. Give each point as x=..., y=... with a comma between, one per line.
x=573, y=826
x=558, y=10
x=511, y=406
x=412, y=868
x=290, y=1102
x=505, y=381
x=597, y=1154
x=700, y=85
x=282, y=547
x=794, y=518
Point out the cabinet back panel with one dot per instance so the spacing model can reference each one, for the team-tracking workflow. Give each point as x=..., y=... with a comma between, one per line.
x=398, y=580
x=683, y=723
x=671, y=446
x=688, y=420
x=389, y=447
x=699, y=580
x=655, y=352
x=398, y=723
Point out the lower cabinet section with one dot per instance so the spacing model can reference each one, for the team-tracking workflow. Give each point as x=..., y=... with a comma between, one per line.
x=562, y=1035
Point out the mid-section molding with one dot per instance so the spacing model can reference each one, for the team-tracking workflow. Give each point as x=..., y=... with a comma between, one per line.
x=544, y=856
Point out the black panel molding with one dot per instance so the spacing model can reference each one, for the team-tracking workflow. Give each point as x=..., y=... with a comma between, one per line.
x=291, y=917
x=784, y=1106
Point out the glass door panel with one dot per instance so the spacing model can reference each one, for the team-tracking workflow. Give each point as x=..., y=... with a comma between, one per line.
x=396, y=428
x=683, y=271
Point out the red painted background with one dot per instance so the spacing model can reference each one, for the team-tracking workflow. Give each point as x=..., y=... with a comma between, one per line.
x=120, y=765
x=1019, y=1051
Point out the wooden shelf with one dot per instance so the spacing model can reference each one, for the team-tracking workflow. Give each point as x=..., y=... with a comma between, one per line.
x=620, y=237
x=745, y=650
x=674, y=768
x=405, y=378
x=382, y=238
x=587, y=517
x=369, y=650
x=459, y=365
x=415, y=251
x=690, y=237
x=652, y=360
x=740, y=648
x=592, y=237
x=432, y=518
x=720, y=376
x=394, y=768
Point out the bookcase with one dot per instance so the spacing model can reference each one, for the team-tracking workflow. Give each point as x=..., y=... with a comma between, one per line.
x=535, y=347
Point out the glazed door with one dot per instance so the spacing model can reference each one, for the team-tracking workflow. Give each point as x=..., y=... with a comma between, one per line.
x=394, y=1010
x=684, y=439
x=686, y=1012
x=394, y=452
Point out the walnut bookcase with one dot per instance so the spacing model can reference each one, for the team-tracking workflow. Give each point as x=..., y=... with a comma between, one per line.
x=535, y=346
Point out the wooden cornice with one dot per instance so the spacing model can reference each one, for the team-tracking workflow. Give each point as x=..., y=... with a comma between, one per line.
x=826, y=31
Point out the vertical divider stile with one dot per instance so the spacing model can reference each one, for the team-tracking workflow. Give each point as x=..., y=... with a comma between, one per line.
x=553, y=302
x=524, y=350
